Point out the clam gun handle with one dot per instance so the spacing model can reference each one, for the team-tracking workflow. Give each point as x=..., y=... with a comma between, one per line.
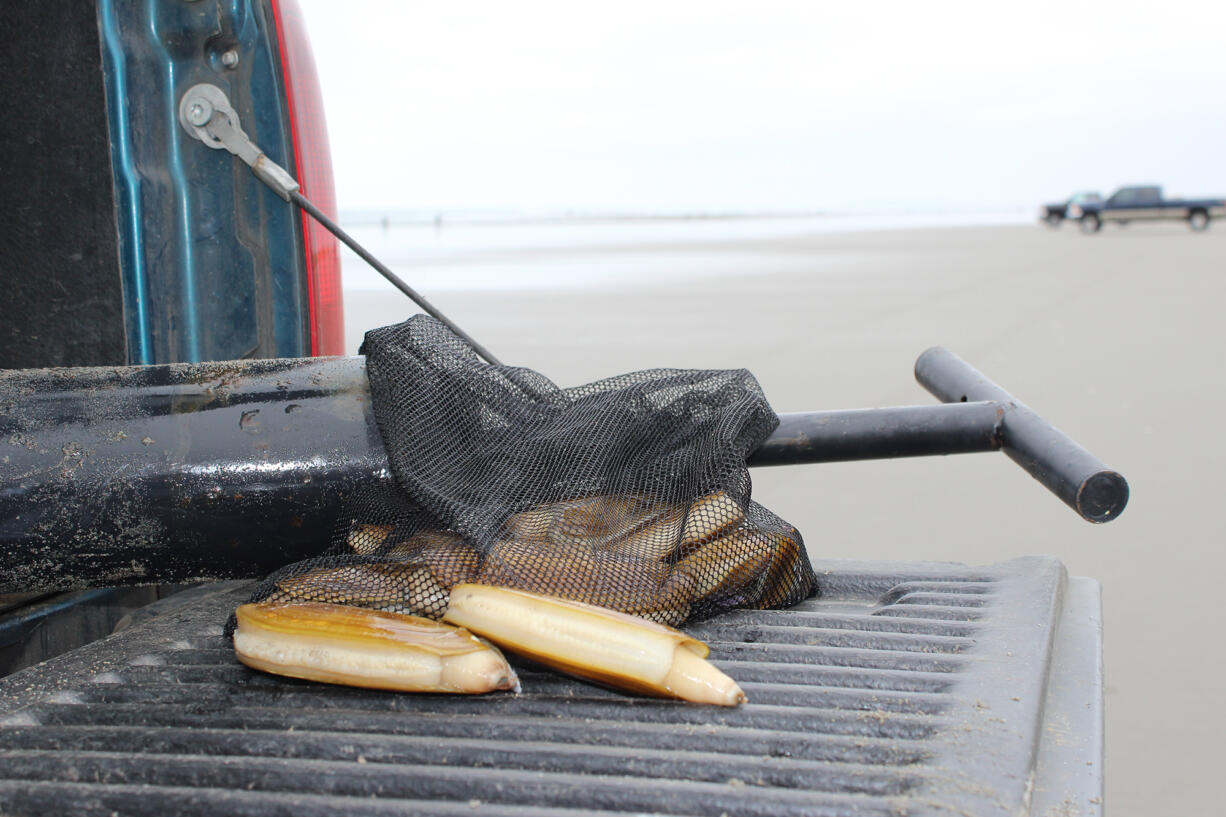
x=976, y=415
x=1072, y=473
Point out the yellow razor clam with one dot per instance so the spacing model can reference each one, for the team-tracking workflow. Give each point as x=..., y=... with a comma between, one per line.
x=639, y=586
x=338, y=644
x=738, y=561
x=365, y=540
x=602, y=645
x=709, y=517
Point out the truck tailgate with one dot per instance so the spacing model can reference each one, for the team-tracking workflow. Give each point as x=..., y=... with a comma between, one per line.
x=905, y=688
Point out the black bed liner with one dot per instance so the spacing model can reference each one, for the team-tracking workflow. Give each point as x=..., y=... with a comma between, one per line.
x=905, y=689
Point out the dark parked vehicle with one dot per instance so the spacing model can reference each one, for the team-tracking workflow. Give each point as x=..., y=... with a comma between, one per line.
x=904, y=687
x=1053, y=215
x=1146, y=203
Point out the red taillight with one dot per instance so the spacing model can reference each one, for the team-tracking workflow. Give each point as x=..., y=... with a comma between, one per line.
x=313, y=164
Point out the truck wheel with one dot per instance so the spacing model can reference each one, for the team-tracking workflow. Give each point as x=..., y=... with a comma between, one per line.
x=1198, y=220
x=1053, y=219
x=1090, y=223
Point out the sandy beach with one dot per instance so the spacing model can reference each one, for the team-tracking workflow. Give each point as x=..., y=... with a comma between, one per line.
x=1115, y=338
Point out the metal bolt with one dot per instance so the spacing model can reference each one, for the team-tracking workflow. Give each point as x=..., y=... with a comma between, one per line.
x=199, y=113
x=229, y=58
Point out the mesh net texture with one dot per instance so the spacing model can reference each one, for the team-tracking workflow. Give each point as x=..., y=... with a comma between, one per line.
x=630, y=493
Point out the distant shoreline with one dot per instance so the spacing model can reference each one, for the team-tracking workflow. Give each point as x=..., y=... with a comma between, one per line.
x=366, y=218
x=599, y=253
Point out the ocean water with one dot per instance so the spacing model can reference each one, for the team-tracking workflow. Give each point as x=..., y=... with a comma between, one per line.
x=590, y=253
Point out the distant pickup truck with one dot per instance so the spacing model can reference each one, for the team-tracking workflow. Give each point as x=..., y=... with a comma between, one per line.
x=1145, y=204
x=1053, y=215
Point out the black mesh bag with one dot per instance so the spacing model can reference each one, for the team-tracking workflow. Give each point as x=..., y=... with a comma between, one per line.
x=630, y=493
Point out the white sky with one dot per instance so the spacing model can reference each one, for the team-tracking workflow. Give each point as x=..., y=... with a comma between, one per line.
x=676, y=105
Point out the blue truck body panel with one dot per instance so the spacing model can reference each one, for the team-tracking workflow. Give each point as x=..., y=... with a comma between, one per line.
x=210, y=260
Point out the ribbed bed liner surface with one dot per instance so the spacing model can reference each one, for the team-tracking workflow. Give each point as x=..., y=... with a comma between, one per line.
x=910, y=690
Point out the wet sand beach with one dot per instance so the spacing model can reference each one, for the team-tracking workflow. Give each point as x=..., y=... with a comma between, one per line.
x=1117, y=339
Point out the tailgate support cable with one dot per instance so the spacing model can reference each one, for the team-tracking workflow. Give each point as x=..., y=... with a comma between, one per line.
x=205, y=112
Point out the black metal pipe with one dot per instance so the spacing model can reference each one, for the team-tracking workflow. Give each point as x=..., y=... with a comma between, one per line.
x=173, y=473
x=881, y=433
x=178, y=472
x=1072, y=473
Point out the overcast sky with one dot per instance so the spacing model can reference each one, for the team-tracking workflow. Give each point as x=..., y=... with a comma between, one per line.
x=673, y=105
